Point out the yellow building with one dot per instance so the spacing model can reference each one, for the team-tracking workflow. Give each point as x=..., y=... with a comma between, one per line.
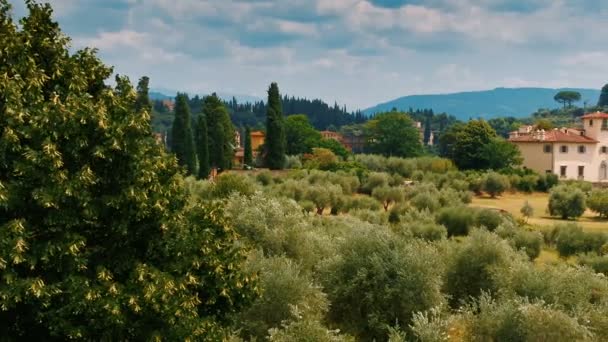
x=257, y=139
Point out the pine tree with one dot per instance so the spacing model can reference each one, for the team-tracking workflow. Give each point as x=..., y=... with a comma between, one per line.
x=248, y=153
x=182, y=143
x=97, y=239
x=220, y=132
x=143, y=99
x=275, y=130
x=603, y=102
x=202, y=147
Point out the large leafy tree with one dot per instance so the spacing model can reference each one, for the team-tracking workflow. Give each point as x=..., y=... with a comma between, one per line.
x=275, y=143
x=469, y=145
x=182, y=143
x=96, y=240
x=500, y=154
x=202, y=147
x=393, y=134
x=566, y=97
x=221, y=132
x=301, y=136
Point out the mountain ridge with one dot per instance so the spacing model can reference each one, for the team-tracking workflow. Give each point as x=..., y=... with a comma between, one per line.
x=487, y=104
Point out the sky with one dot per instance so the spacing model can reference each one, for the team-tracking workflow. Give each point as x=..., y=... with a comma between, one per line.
x=354, y=52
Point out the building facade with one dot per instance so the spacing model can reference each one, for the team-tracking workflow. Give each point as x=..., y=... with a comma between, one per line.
x=567, y=152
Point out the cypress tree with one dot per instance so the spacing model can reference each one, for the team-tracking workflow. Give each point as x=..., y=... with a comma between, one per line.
x=248, y=153
x=182, y=143
x=275, y=130
x=143, y=99
x=427, y=129
x=220, y=132
x=603, y=102
x=202, y=147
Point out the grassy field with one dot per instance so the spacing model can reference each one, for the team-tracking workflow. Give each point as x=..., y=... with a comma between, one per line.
x=513, y=203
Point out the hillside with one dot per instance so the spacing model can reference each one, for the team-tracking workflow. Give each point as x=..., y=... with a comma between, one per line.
x=164, y=94
x=516, y=102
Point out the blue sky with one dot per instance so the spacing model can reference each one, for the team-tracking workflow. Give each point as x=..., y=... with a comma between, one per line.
x=356, y=52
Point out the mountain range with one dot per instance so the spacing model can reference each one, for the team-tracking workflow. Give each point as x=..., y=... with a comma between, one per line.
x=487, y=104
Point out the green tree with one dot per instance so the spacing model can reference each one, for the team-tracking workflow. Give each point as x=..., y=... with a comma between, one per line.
x=543, y=124
x=388, y=195
x=202, y=147
x=598, y=202
x=393, y=134
x=96, y=239
x=567, y=97
x=427, y=128
x=447, y=140
x=143, y=99
x=495, y=184
x=182, y=143
x=220, y=131
x=335, y=146
x=468, y=151
x=275, y=141
x=247, y=151
x=603, y=101
x=499, y=154
x=567, y=202
x=527, y=210
x=301, y=136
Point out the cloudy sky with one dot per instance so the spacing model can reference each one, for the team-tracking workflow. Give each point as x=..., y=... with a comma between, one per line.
x=356, y=52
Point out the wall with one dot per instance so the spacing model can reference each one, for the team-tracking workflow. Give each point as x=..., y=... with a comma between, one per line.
x=534, y=156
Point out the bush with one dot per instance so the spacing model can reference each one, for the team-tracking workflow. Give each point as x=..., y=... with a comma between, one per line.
x=228, y=183
x=528, y=183
x=566, y=202
x=363, y=202
x=428, y=231
x=527, y=210
x=598, y=202
x=379, y=280
x=529, y=242
x=488, y=218
x=305, y=330
x=293, y=162
x=425, y=201
x=457, y=220
x=375, y=180
x=546, y=182
x=570, y=239
x=387, y=195
x=264, y=178
x=599, y=263
x=495, y=184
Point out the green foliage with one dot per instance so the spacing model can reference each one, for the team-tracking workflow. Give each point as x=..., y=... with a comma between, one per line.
x=142, y=102
x=182, y=143
x=301, y=136
x=202, y=147
x=387, y=195
x=598, y=202
x=528, y=241
x=527, y=210
x=322, y=159
x=567, y=201
x=457, y=220
x=228, y=183
x=306, y=330
x=495, y=184
x=603, y=100
x=489, y=219
x=393, y=134
x=428, y=231
x=247, y=149
x=335, y=146
x=468, y=151
x=426, y=201
x=264, y=178
x=96, y=239
x=598, y=263
x=570, y=239
x=220, y=132
x=500, y=154
x=275, y=142
x=379, y=280
x=567, y=97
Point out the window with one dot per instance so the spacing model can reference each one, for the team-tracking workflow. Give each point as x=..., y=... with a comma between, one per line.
x=604, y=149
x=563, y=149
x=581, y=172
x=590, y=122
x=548, y=171
x=605, y=124
x=548, y=148
x=582, y=149
x=562, y=171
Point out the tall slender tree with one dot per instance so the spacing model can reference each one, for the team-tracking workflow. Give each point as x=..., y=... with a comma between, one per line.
x=182, y=143
x=202, y=147
x=603, y=102
x=275, y=130
x=248, y=153
x=220, y=133
x=427, y=128
x=142, y=102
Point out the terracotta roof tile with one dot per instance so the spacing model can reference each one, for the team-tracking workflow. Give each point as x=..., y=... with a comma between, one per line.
x=596, y=115
x=555, y=136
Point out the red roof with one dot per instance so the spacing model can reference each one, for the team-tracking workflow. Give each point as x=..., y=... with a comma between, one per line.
x=555, y=136
x=596, y=115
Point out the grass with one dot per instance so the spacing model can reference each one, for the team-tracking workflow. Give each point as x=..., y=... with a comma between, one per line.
x=512, y=202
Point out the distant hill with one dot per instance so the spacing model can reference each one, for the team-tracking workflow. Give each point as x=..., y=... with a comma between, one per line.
x=516, y=102
x=164, y=94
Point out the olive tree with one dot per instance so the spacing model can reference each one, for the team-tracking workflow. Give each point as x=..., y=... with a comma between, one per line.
x=567, y=202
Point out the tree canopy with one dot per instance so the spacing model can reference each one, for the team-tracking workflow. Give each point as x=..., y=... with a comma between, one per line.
x=603, y=101
x=275, y=130
x=393, y=134
x=301, y=136
x=96, y=239
x=182, y=143
x=566, y=97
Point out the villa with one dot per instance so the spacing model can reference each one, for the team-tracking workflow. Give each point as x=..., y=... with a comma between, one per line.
x=567, y=152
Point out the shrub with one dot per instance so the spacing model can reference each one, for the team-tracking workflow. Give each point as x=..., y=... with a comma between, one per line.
x=566, y=201
x=293, y=162
x=428, y=231
x=363, y=202
x=488, y=218
x=495, y=184
x=379, y=280
x=425, y=201
x=476, y=184
x=570, y=239
x=599, y=263
x=529, y=242
x=229, y=183
x=528, y=183
x=546, y=182
x=527, y=210
x=457, y=220
x=305, y=330
x=387, y=195
x=375, y=180
x=598, y=202
x=264, y=178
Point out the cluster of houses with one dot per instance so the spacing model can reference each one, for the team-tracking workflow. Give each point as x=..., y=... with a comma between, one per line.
x=571, y=153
